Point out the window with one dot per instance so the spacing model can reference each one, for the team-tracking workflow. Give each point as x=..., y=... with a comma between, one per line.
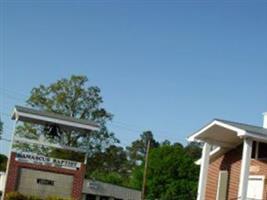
x=90, y=197
x=45, y=181
x=222, y=185
x=259, y=150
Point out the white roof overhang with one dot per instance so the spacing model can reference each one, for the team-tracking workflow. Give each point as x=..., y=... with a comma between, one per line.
x=42, y=118
x=223, y=136
x=219, y=134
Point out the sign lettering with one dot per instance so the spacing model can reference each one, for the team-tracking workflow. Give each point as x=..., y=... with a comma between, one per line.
x=42, y=160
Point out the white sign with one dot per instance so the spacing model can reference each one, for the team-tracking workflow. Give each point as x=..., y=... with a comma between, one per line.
x=42, y=160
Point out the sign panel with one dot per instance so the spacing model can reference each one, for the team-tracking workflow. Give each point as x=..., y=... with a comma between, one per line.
x=45, y=181
x=42, y=160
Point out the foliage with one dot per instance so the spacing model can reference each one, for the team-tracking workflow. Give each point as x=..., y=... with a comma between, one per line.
x=15, y=196
x=172, y=174
x=70, y=97
x=109, y=166
x=137, y=150
x=194, y=150
x=109, y=177
x=19, y=196
x=113, y=159
x=3, y=162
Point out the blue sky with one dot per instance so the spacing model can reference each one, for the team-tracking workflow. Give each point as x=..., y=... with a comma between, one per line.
x=165, y=66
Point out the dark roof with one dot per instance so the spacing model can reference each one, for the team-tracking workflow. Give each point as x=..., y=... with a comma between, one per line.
x=247, y=127
x=54, y=115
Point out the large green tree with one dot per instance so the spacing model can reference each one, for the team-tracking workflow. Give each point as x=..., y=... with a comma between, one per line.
x=171, y=174
x=75, y=98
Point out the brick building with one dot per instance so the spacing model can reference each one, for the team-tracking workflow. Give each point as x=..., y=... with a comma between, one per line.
x=33, y=174
x=234, y=161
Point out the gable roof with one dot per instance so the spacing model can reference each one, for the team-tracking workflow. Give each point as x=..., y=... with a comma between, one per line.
x=236, y=129
x=43, y=117
x=247, y=127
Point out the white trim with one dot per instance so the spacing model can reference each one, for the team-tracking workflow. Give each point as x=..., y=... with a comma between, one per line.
x=262, y=177
x=203, y=175
x=256, y=137
x=220, y=144
x=213, y=152
x=37, y=142
x=218, y=183
x=244, y=172
x=215, y=122
x=56, y=121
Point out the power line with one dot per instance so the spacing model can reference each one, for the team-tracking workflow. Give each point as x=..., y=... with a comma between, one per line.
x=118, y=124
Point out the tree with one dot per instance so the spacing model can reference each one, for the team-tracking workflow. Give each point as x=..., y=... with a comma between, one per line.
x=193, y=149
x=3, y=162
x=109, y=166
x=172, y=174
x=113, y=159
x=70, y=97
x=137, y=150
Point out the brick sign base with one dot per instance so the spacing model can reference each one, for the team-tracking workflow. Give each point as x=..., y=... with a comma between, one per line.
x=13, y=175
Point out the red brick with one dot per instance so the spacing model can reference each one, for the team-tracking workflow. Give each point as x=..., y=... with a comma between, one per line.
x=13, y=172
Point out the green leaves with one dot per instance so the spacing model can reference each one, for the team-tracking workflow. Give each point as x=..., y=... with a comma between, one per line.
x=3, y=162
x=137, y=150
x=71, y=97
x=172, y=173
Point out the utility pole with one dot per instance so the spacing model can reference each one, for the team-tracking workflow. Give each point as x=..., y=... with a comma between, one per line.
x=145, y=171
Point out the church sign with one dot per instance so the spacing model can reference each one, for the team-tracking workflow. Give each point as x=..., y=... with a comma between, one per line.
x=48, y=161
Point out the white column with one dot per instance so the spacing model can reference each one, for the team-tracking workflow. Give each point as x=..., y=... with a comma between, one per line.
x=205, y=158
x=244, y=173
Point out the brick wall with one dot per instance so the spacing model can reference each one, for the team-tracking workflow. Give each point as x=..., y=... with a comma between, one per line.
x=231, y=161
x=14, y=168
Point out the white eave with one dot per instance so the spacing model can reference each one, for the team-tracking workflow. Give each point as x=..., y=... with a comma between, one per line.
x=224, y=136
x=47, y=118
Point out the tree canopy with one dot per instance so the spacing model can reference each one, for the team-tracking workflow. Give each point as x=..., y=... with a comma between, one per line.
x=71, y=97
x=137, y=150
x=172, y=174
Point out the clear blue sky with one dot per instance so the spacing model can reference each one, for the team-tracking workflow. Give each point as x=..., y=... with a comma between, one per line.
x=167, y=66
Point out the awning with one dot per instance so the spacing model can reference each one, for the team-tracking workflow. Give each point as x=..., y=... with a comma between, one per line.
x=48, y=118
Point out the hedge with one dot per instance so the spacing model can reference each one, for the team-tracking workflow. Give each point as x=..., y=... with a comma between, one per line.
x=19, y=196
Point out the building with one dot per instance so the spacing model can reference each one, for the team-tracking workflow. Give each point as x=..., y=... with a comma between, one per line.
x=234, y=161
x=38, y=175
x=95, y=190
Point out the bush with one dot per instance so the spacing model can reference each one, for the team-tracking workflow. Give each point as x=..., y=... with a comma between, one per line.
x=19, y=196
x=15, y=196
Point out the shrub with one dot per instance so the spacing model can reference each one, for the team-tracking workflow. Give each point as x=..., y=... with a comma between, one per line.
x=15, y=196
x=19, y=196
